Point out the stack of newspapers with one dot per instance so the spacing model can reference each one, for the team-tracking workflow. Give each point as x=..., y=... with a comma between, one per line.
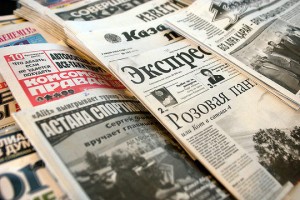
x=134, y=99
x=52, y=14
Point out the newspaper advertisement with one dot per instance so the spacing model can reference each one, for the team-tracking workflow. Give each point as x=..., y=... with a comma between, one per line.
x=207, y=105
x=150, y=11
x=23, y=175
x=112, y=44
x=105, y=145
x=10, y=19
x=24, y=33
x=261, y=37
x=40, y=73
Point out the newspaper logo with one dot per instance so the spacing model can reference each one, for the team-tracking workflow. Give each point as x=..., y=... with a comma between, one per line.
x=236, y=10
x=112, y=38
x=222, y=11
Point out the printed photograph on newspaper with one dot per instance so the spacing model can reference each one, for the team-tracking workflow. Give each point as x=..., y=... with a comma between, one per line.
x=112, y=148
x=260, y=37
x=274, y=51
x=198, y=96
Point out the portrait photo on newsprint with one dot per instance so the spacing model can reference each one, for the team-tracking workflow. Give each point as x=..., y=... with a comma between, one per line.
x=274, y=52
x=164, y=96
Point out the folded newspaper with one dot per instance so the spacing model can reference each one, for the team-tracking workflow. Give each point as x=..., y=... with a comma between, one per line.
x=150, y=11
x=150, y=14
x=10, y=19
x=23, y=174
x=13, y=34
x=41, y=73
x=103, y=144
x=105, y=45
x=236, y=129
x=52, y=15
x=260, y=37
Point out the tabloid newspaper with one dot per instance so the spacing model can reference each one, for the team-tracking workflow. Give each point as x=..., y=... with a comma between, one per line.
x=16, y=34
x=261, y=37
x=23, y=174
x=235, y=128
x=104, y=145
x=40, y=73
x=150, y=11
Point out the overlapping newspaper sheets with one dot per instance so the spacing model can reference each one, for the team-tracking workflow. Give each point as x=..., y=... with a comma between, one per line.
x=140, y=17
x=23, y=33
x=10, y=19
x=40, y=73
x=51, y=15
x=105, y=145
x=110, y=44
x=8, y=105
x=16, y=34
x=150, y=11
x=236, y=129
x=23, y=174
x=261, y=37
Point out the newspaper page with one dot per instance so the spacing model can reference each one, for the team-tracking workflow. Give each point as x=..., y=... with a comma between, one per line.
x=23, y=174
x=150, y=11
x=8, y=105
x=122, y=42
x=10, y=19
x=259, y=36
x=105, y=145
x=24, y=33
x=81, y=10
x=226, y=121
x=40, y=73
x=16, y=34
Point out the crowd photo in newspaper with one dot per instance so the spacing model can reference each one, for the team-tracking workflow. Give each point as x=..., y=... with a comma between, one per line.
x=150, y=99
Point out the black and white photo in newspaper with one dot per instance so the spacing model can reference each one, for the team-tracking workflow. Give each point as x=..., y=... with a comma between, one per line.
x=261, y=37
x=105, y=145
x=205, y=110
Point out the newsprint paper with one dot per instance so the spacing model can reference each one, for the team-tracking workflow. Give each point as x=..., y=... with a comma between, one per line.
x=10, y=19
x=16, y=34
x=81, y=10
x=8, y=105
x=115, y=43
x=103, y=144
x=233, y=127
x=261, y=37
x=41, y=73
x=23, y=174
x=150, y=11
